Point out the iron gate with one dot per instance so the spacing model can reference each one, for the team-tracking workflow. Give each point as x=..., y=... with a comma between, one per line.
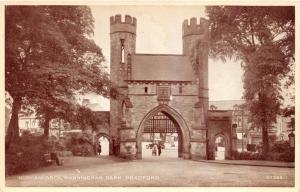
x=160, y=123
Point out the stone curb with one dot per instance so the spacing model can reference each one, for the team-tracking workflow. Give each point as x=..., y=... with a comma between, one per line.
x=245, y=164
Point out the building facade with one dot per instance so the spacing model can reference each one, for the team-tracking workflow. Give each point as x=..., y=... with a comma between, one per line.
x=163, y=93
x=246, y=133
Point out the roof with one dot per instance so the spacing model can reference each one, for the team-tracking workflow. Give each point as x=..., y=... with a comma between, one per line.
x=226, y=104
x=159, y=67
x=219, y=114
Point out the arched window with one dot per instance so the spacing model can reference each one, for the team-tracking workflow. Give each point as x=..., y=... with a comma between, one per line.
x=123, y=110
x=122, y=51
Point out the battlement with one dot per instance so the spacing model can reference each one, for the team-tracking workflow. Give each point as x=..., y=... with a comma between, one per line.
x=195, y=28
x=119, y=26
x=117, y=19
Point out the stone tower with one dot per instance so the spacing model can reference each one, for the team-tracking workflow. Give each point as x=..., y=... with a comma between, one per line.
x=195, y=37
x=123, y=41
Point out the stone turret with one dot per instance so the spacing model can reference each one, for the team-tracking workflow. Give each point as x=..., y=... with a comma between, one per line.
x=193, y=31
x=193, y=27
x=117, y=25
x=123, y=42
x=195, y=38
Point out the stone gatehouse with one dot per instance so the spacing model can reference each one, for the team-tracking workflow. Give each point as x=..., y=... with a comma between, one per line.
x=174, y=86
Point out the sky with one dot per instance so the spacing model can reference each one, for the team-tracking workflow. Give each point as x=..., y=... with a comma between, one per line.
x=159, y=30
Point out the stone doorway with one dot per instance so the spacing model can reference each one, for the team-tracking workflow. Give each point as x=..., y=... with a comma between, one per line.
x=105, y=142
x=164, y=126
x=220, y=147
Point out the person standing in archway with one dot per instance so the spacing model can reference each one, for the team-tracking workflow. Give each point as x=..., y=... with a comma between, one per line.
x=99, y=149
x=154, y=150
x=159, y=149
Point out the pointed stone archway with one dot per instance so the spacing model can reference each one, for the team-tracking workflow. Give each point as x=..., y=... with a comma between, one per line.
x=107, y=137
x=184, y=147
x=225, y=145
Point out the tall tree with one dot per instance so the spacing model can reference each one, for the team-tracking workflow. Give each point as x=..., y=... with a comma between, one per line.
x=49, y=57
x=263, y=38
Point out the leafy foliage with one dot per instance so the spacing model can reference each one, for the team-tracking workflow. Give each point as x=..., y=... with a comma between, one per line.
x=50, y=57
x=263, y=38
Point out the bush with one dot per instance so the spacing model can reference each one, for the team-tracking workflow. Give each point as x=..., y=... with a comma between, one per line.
x=283, y=152
x=280, y=151
x=26, y=155
x=288, y=156
x=81, y=144
x=29, y=152
x=257, y=156
x=280, y=147
x=85, y=150
x=243, y=156
x=272, y=156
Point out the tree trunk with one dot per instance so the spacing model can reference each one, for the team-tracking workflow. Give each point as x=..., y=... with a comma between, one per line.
x=46, y=127
x=12, y=135
x=265, y=139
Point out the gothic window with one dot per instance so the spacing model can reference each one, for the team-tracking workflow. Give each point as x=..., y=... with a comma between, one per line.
x=146, y=89
x=122, y=51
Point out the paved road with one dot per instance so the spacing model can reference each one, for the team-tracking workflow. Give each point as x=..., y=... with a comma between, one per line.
x=151, y=171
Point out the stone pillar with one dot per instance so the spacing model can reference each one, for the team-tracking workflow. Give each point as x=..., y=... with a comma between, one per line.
x=198, y=147
x=183, y=147
x=128, y=143
x=186, y=151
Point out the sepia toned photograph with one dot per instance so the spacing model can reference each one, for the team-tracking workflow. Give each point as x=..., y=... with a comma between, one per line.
x=149, y=96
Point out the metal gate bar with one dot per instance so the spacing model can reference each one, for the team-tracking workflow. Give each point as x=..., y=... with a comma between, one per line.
x=160, y=123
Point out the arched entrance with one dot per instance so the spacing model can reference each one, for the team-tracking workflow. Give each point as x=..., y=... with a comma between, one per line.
x=104, y=140
x=172, y=122
x=220, y=147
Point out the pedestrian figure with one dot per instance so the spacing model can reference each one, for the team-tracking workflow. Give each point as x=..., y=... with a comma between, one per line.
x=159, y=150
x=154, y=150
x=99, y=148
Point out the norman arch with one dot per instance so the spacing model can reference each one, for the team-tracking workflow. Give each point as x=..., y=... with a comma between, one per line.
x=184, y=148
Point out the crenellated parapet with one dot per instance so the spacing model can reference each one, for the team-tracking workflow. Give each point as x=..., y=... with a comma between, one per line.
x=195, y=28
x=127, y=25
